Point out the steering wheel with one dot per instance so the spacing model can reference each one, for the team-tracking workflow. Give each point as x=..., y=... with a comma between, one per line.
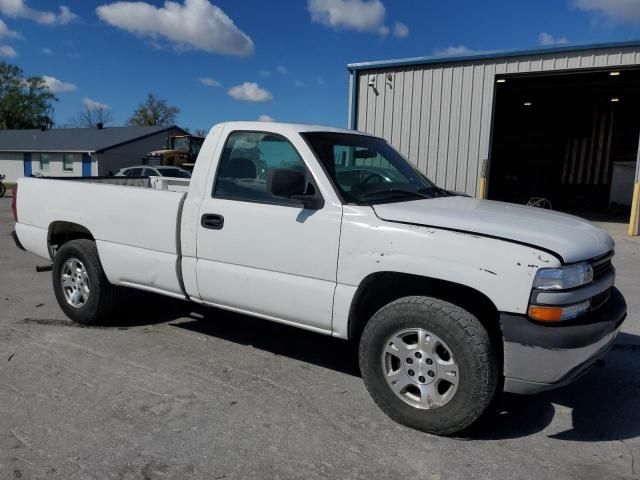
x=377, y=177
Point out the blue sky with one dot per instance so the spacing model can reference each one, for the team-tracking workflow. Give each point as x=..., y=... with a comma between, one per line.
x=205, y=56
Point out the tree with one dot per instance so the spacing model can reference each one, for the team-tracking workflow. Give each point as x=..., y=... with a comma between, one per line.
x=24, y=102
x=200, y=132
x=154, y=111
x=91, y=116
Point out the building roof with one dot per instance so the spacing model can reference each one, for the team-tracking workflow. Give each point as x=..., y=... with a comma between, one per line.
x=487, y=55
x=73, y=139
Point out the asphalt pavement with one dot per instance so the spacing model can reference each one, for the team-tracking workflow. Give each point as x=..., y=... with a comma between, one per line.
x=176, y=392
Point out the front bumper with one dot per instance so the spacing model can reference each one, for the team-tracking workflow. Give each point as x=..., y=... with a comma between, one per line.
x=540, y=357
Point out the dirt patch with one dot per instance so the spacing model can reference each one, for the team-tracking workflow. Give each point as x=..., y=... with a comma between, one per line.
x=53, y=322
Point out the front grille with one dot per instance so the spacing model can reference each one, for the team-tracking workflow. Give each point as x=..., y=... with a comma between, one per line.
x=602, y=265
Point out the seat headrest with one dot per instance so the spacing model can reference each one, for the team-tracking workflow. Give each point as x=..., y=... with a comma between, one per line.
x=238, y=168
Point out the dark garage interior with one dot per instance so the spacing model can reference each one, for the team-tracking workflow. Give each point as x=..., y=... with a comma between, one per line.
x=570, y=139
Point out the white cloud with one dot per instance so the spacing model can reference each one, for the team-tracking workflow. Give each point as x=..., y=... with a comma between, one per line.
x=19, y=9
x=265, y=118
x=282, y=70
x=265, y=73
x=299, y=83
x=453, y=50
x=6, y=31
x=400, y=30
x=320, y=81
x=358, y=15
x=196, y=24
x=66, y=16
x=627, y=11
x=47, y=51
x=95, y=105
x=58, y=86
x=8, y=51
x=547, y=39
x=209, y=82
x=250, y=92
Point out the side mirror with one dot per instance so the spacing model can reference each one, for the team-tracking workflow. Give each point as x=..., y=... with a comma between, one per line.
x=288, y=183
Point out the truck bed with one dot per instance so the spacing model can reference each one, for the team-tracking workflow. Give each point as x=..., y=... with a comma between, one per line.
x=158, y=183
x=134, y=222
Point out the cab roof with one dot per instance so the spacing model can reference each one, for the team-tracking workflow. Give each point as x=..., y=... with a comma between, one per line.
x=281, y=127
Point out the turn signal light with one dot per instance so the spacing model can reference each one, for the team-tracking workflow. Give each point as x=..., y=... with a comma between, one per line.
x=545, y=314
x=558, y=314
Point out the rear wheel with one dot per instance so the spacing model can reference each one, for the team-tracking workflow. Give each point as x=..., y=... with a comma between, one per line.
x=428, y=364
x=3, y=189
x=80, y=285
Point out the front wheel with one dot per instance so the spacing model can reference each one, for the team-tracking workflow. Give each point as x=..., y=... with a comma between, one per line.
x=428, y=364
x=3, y=189
x=80, y=285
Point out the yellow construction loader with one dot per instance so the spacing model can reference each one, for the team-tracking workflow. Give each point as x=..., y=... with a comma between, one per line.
x=180, y=151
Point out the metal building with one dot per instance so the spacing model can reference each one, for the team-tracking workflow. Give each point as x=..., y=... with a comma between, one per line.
x=556, y=122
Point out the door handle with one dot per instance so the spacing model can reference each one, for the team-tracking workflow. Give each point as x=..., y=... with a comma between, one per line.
x=212, y=221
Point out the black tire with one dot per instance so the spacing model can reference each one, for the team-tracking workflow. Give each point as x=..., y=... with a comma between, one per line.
x=102, y=297
x=469, y=343
x=3, y=189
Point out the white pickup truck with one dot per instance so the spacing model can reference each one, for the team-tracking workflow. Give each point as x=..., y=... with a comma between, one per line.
x=450, y=298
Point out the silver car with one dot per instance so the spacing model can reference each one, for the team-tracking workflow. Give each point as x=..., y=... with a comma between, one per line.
x=155, y=171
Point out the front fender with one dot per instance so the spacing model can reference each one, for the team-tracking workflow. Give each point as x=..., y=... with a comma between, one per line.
x=501, y=270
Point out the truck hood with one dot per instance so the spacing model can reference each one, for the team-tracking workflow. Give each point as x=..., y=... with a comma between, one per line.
x=572, y=238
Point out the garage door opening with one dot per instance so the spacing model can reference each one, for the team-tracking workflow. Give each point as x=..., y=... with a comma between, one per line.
x=567, y=142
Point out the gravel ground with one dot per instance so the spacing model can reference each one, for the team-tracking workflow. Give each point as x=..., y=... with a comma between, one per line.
x=173, y=392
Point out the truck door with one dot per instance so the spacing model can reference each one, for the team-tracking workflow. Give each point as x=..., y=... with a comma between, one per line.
x=263, y=254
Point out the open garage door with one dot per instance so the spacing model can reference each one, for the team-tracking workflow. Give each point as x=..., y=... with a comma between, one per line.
x=569, y=140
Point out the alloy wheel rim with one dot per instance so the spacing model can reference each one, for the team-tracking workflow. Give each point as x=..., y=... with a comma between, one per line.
x=75, y=283
x=420, y=368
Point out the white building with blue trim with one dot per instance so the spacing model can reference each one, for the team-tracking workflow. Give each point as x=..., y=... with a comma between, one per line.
x=78, y=151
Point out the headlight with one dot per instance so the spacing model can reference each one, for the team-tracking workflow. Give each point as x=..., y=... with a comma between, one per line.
x=563, y=278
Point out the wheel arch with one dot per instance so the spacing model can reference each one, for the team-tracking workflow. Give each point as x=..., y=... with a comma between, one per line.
x=381, y=288
x=61, y=232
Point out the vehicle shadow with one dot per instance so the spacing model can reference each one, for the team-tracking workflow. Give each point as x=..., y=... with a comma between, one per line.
x=276, y=338
x=604, y=402
x=138, y=308
x=135, y=309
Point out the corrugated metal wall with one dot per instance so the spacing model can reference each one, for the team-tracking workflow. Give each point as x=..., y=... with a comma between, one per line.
x=439, y=115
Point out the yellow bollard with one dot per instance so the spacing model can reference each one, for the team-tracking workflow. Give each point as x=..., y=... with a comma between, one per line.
x=482, y=188
x=633, y=220
x=482, y=185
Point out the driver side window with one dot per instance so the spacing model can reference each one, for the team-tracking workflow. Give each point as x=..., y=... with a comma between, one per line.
x=245, y=164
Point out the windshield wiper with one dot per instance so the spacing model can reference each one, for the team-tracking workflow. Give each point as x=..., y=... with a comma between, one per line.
x=398, y=190
x=439, y=192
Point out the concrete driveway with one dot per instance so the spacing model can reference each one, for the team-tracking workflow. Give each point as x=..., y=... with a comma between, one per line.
x=172, y=392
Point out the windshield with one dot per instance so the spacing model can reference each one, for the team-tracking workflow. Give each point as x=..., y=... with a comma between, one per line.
x=174, y=172
x=367, y=170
